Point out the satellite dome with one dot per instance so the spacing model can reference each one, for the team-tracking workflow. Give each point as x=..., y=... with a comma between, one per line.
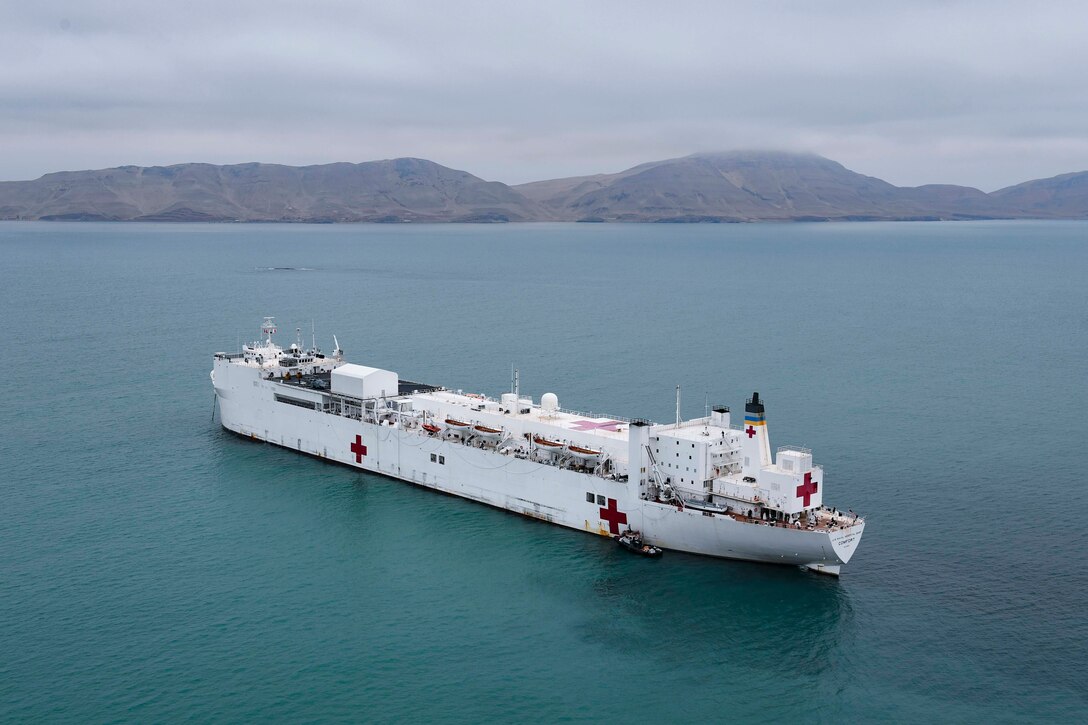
x=549, y=402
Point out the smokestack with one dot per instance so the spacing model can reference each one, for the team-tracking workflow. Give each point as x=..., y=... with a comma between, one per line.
x=755, y=441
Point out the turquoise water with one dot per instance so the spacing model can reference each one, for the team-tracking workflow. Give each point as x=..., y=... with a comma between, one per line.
x=154, y=568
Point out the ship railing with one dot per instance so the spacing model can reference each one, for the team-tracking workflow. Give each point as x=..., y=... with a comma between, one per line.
x=795, y=449
x=591, y=414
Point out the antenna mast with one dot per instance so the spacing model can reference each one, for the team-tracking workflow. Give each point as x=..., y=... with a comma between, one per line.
x=268, y=327
x=677, y=406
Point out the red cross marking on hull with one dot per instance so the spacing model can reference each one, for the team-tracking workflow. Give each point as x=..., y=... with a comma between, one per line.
x=358, y=449
x=613, y=516
x=751, y=431
x=808, y=488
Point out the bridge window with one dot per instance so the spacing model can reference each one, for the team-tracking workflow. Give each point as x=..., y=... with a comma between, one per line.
x=600, y=500
x=590, y=498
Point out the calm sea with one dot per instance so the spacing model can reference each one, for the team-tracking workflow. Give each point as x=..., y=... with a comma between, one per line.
x=154, y=568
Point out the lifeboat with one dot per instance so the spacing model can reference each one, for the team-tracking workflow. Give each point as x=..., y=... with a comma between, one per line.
x=431, y=428
x=546, y=446
x=489, y=433
x=586, y=454
x=456, y=427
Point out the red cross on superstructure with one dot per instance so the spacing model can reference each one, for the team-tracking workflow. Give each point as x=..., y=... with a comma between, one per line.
x=808, y=488
x=613, y=516
x=358, y=449
x=751, y=431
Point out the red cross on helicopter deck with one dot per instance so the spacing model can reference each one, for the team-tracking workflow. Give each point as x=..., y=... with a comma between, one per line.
x=609, y=425
x=613, y=516
x=808, y=488
x=358, y=449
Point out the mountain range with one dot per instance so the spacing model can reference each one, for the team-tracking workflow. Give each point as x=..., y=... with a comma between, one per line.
x=741, y=186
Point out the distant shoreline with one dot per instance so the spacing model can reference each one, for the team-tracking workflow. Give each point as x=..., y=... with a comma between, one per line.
x=529, y=223
x=724, y=188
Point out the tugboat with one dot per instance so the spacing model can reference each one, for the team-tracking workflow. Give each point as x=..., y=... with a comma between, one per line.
x=632, y=541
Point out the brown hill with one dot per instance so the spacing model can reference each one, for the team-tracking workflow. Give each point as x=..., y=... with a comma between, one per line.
x=749, y=186
x=1064, y=196
x=395, y=190
x=736, y=186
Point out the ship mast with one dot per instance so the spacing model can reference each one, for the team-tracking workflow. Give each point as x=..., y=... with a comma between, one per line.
x=268, y=328
x=677, y=406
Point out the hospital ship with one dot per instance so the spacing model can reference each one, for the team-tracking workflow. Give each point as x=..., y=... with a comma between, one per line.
x=709, y=485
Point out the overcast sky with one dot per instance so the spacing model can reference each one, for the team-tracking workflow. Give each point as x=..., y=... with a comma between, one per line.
x=982, y=93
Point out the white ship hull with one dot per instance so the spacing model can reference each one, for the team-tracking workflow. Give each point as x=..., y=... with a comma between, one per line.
x=248, y=406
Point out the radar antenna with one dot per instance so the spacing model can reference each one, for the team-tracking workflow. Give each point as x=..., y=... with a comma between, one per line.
x=268, y=329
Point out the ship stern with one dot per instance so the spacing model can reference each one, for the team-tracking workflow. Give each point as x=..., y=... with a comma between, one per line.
x=844, y=543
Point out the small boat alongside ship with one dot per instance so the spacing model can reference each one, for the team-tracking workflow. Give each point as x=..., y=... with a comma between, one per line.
x=632, y=541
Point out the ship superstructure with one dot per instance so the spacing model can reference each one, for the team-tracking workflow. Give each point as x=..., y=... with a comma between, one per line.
x=707, y=485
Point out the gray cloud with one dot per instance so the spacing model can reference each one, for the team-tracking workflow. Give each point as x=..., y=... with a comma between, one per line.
x=979, y=93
